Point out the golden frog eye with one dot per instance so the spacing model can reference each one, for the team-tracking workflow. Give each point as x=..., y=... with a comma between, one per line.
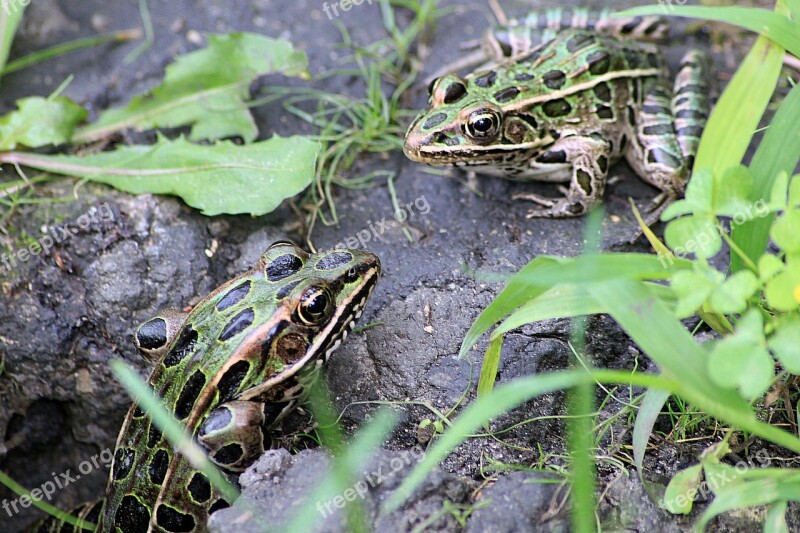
x=313, y=306
x=483, y=124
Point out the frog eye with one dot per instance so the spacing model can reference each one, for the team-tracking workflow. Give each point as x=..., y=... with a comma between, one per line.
x=313, y=306
x=483, y=124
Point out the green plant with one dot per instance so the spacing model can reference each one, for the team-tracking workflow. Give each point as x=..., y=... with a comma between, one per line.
x=753, y=306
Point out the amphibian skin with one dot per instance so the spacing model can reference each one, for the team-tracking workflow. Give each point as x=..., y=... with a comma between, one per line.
x=228, y=370
x=564, y=112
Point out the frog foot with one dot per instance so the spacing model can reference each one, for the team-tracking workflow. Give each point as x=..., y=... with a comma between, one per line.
x=553, y=207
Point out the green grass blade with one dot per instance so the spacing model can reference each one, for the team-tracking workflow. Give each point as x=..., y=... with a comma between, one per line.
x=775, y=26
x=666, y=341
x=645, y=420
x=779, y=151
x=10, y=16
x=736, y=116
x=344, y=469
x=543, y=273
x=741, y=495
x=63, y=48
x=491, y=361
x=775, y=520
x=501, y=400
x=44, y=506
x=565, y=301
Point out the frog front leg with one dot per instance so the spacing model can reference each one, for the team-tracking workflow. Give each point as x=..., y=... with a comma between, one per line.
x=589, y=157
x=235, y=434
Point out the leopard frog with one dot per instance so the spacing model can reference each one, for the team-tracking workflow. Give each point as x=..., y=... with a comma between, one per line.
x=566, y=110
x=228, y=370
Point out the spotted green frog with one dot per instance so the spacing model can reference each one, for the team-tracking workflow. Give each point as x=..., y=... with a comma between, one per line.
x=566, y=110
x=228, y=370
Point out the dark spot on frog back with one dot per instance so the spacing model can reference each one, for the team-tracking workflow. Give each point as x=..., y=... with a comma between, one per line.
x=485, y=80
x=174, y=520
x=283, y=267
x=334, y=260
x=234, y=296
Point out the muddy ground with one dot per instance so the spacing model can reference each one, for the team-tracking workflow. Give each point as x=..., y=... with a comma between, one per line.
x=66, y=314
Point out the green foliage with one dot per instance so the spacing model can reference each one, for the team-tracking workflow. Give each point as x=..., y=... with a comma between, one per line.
x=753, y=305
x=40, y=122
x=218, y=178
x=198, y=92
x=9, y=20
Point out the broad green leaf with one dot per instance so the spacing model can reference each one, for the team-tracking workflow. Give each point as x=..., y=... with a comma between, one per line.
x=785, y=343
x=682, y=490
x=40, y=122
x=776, y=26
x=10, y=16
x=721, y=476
x=693, y=234
x=698, y=197
x=732, y=190
x=206, y=89
x=742, y=365
x=779, y=151
x=693, y=288
x=769, y=266
x=783, y=291
x=218, y=178
x=731, y=297
x=786, y=231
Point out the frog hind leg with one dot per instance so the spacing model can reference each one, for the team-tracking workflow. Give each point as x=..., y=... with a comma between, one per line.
x=666, y=131
x=589, y=156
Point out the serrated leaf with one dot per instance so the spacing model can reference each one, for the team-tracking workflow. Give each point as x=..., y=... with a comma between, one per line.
x=40, y=122
x=785, y=231
x=218, y=178
x=785, y=343
x=731, y=296
x=693, y=234
x=682, y=490
x=206, y=89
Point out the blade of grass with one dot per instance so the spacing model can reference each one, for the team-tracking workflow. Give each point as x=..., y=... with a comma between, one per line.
x=63, y=48
x=740, y=108
x=738, y=496
x=544, y=272
x=345, y=466
x=172, y=429
x=10, y=16
x=649, y=410
x=775, y=26
x=44, y=506
x=491, y=360
x=501, y=400
x=779, y=151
